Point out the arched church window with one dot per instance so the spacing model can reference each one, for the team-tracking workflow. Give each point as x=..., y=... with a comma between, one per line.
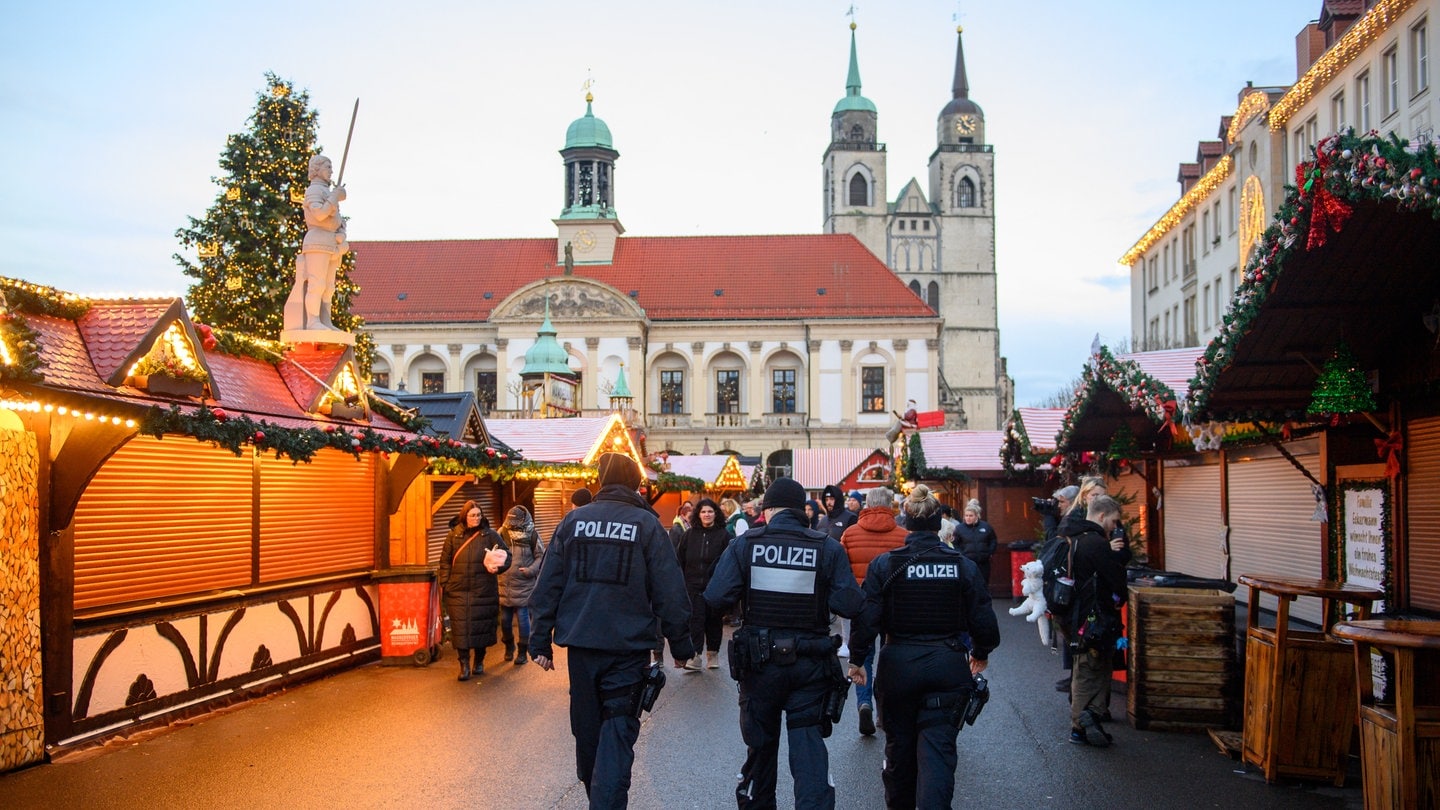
x=932, y=296
x=915, y=288
x=965, y=193
x=859, y=190
x=857, y=133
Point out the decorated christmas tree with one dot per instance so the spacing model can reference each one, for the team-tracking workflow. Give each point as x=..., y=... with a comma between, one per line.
x=1341, y=387
x=248, y=239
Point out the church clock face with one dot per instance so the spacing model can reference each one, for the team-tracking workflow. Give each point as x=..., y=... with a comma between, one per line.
x=967, y=124
x=584, y=241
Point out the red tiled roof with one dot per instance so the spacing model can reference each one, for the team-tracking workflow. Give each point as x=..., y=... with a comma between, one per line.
x=112, y=330
x=319, y=362
x=246, y=386
x=674, y=277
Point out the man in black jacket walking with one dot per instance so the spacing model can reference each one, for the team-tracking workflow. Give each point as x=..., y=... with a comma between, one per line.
x=608, y=572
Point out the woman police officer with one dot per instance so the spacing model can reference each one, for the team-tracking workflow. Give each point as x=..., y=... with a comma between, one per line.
x=924, y=597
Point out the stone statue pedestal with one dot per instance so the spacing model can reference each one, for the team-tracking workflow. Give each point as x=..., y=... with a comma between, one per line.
x=331, y=337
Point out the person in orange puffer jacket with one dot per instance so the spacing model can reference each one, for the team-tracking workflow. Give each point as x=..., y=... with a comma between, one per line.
x=873, y=533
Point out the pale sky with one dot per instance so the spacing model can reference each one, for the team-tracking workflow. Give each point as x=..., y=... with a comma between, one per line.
x=113, y=117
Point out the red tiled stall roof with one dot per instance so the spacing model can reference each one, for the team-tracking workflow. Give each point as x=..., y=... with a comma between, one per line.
x=674, y=277
x=964, y=450
x=72, y=354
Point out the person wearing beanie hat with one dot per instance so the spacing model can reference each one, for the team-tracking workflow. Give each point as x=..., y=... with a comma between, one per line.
x=789, y=578
x=581, y=496
x=608, y=573
x=924, y=672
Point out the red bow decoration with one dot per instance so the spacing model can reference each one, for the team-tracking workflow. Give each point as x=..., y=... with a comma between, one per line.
x=1389, y=449
x=1327, y=212
x=1167, y=406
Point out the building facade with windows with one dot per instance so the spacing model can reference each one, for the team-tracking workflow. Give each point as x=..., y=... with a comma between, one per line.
x=753, y=344
x=1362, y=64
x=939, y=240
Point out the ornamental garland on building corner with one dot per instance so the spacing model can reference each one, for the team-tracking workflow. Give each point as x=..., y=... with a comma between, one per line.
x=1347, y=169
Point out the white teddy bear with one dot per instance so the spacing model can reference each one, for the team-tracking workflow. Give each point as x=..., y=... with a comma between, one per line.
x=1032, y=587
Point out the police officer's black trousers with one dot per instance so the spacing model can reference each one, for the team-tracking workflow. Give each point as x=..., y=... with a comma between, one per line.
x=919, y=762
x=605, y=728
x=799, y=690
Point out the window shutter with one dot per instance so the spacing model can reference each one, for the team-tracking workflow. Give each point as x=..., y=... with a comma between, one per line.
x=160, y=519
x=1422, y=506
x=1270, y=527
x=316, y=518
x=1191, y=512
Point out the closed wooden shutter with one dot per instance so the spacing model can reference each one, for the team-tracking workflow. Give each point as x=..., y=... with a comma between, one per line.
x=1190, y=509
x=483, y=494
x=552, y=498
x=160, y=519
x=1422, y=506
x=316, y=518
x=1270, y=527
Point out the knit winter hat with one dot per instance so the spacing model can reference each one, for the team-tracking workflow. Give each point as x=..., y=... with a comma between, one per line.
x=784, y=493
x=618, y=468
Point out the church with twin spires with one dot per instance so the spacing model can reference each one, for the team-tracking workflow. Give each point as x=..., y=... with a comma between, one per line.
x=713, y=353
x=939, y=239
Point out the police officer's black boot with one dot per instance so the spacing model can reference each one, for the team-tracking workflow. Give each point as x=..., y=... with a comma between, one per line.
x=464, y=665
x=520, y=654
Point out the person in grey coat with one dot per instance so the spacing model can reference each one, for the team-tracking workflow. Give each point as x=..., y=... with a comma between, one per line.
x=518, y=582
x=472, y=557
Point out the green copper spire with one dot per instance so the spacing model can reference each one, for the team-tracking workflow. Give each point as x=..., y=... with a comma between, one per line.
x=853, y=100
x=547, y=356
x=587, y=130
x=622, y=388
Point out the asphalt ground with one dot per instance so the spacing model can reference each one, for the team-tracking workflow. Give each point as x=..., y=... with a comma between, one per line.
x=382, y=736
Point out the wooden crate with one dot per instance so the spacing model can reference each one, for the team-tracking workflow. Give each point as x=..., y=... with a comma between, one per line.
x=1183, y=671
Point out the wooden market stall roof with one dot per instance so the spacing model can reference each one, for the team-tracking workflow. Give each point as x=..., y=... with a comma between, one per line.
x=721, y=473
x=1135, y=392
x=1365, y=275
x=112, y=369
x=966, y=451
x=819, y=467
x=576, y=440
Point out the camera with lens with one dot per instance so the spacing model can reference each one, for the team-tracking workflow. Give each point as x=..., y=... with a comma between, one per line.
x=1045, y=506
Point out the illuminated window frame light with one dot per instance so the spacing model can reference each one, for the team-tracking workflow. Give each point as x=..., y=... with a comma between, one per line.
x=1365, y=31
x=1177, y=213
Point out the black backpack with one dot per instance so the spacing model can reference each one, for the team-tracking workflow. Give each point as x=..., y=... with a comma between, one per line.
x=1055, y=557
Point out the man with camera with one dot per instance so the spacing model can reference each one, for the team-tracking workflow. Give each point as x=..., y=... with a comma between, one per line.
x=790, y=578
x=1098, y=568
x=609, y=571
x=924, y=596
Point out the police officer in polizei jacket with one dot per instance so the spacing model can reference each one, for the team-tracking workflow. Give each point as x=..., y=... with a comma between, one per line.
x=608, y=573
x=923, y=597
x=791, y=578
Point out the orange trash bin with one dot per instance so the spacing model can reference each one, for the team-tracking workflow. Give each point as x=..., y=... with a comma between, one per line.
x=410, y=626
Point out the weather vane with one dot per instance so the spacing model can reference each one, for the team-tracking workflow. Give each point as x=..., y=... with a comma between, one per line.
x=851, y=12
x=587, y=84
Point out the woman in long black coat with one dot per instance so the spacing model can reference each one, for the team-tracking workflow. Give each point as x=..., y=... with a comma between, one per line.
x=473, y=555
x=699, y=550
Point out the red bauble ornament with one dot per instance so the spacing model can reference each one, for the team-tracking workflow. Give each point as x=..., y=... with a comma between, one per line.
x=259, y=436
x=490, y=451
x=219, y=414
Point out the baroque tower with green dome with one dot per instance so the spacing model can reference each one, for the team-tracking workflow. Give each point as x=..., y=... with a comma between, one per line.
x=940, y=241
x=588, y=222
